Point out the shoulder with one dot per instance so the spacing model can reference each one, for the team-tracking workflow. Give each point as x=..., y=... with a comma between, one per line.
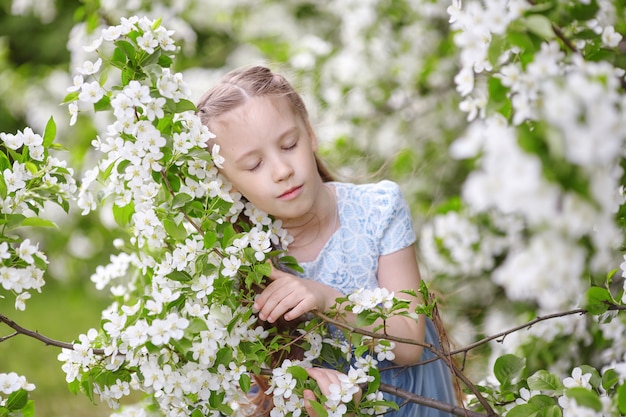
x=384, y=189
x=376, y=201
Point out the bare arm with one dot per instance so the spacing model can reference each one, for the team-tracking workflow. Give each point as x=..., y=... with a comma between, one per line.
x=399, y=271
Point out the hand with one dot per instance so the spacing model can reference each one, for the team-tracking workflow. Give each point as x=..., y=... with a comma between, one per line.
x=291, y=296
x=325, y=378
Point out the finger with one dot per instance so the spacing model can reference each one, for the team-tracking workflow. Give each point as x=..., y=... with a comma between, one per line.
x=309, y=396
x=278, y=298
x=266, y=294
x=324, y=378
x=304, y=306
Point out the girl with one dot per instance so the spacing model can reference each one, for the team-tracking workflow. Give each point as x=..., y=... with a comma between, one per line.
x=345, y=236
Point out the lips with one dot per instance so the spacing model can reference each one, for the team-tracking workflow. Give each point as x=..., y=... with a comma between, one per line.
x=291, y=193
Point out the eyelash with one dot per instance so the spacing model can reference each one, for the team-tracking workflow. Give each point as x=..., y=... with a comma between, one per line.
x=290, y=147
x=287, y=148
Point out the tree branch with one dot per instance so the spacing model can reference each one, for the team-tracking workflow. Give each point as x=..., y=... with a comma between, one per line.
x=429, y=402
x=36, y=335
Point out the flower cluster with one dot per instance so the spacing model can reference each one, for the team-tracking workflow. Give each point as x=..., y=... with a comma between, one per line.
x=573, y=404
x=33, y=178
x=11, y=383
x=291, y=375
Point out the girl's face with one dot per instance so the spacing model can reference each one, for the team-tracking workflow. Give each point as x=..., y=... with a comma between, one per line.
x=269, y=154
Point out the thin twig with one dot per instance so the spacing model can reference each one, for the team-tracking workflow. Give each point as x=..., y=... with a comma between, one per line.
x=502, y=335
x=7, y=337
x=171, y=191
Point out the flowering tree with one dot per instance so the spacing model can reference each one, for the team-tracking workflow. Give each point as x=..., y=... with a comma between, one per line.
x=542, y=89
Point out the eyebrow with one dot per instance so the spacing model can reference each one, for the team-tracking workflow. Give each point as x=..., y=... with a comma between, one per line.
x=287, y=132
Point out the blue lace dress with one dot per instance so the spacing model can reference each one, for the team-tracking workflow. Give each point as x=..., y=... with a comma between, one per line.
x=375, y=220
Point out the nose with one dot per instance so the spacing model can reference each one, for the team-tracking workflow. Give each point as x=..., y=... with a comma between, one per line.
x=282, y=169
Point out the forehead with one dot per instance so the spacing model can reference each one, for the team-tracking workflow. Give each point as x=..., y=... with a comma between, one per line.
x=257, y=116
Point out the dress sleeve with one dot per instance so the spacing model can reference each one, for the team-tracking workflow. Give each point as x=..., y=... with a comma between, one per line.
x=396, y=225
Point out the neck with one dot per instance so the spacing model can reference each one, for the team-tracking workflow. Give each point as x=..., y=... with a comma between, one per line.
x=318, y=225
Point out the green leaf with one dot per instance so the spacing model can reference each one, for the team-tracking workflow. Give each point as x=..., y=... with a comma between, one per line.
x=38, y=222
x=524, y=410
x=543, y=380
x=507, y=368
x=610, y=378
x=195, y=209
x=521, y=40
x=542, y=401
x=366, y=318
x=244, y=382
x=210, y=238
x=540, y=25
x=360, y=350
x=128, y=74
x=223, y=356
x=180, y=200
x=128, y=49
x=3, y=187
x=14, y=220
x=17, y=400
x=29, y=409
x=184, y=105
x=585, y=398
x=537, y=406
x=49, y=133
x=103, y=104
x=182, y=346
x=196, y=326
x=122, y=215
x=298, y=373
x=553, y=411
x=263, y=269
x=165, y=61
x=31, y=166
x=621, y=399
x=118, y=59
x=595, y=379
x=582, y=11
x=319, y=409
x=181, y=276
x=291, y=263
x=175, y=230
x=229, y=234
x=598, y=300
x=74, y=386
x=73, y=96
x=225, y=409
x=216, y=399
x=121, y=167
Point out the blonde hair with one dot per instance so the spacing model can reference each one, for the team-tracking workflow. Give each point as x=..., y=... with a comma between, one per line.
x=239, y=85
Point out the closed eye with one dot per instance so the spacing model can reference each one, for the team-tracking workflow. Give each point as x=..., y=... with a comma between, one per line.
x=291, y=146
x=255, y=167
